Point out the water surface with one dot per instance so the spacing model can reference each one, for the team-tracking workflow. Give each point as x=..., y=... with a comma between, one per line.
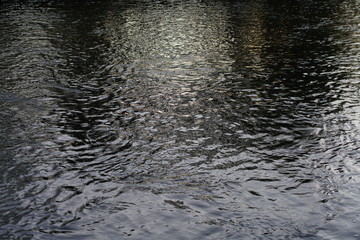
x=179, y=119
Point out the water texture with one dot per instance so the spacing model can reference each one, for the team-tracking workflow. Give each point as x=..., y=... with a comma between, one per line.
x=191, y=119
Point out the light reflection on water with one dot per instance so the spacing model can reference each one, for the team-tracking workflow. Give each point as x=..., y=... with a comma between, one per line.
x=189, y=119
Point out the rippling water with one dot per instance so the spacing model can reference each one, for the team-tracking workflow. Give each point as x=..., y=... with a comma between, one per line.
x=180, y=119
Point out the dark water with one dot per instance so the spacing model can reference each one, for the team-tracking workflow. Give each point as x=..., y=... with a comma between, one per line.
x=180, y=119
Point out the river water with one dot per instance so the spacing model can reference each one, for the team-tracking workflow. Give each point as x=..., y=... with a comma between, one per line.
x=180, y=119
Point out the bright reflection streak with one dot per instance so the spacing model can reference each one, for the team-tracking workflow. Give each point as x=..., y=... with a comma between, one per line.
x=180, y=42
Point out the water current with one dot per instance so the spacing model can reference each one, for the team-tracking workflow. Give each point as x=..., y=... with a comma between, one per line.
x=180, y=119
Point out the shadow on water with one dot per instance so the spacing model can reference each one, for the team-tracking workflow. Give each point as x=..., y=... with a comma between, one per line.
x=217, y=119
